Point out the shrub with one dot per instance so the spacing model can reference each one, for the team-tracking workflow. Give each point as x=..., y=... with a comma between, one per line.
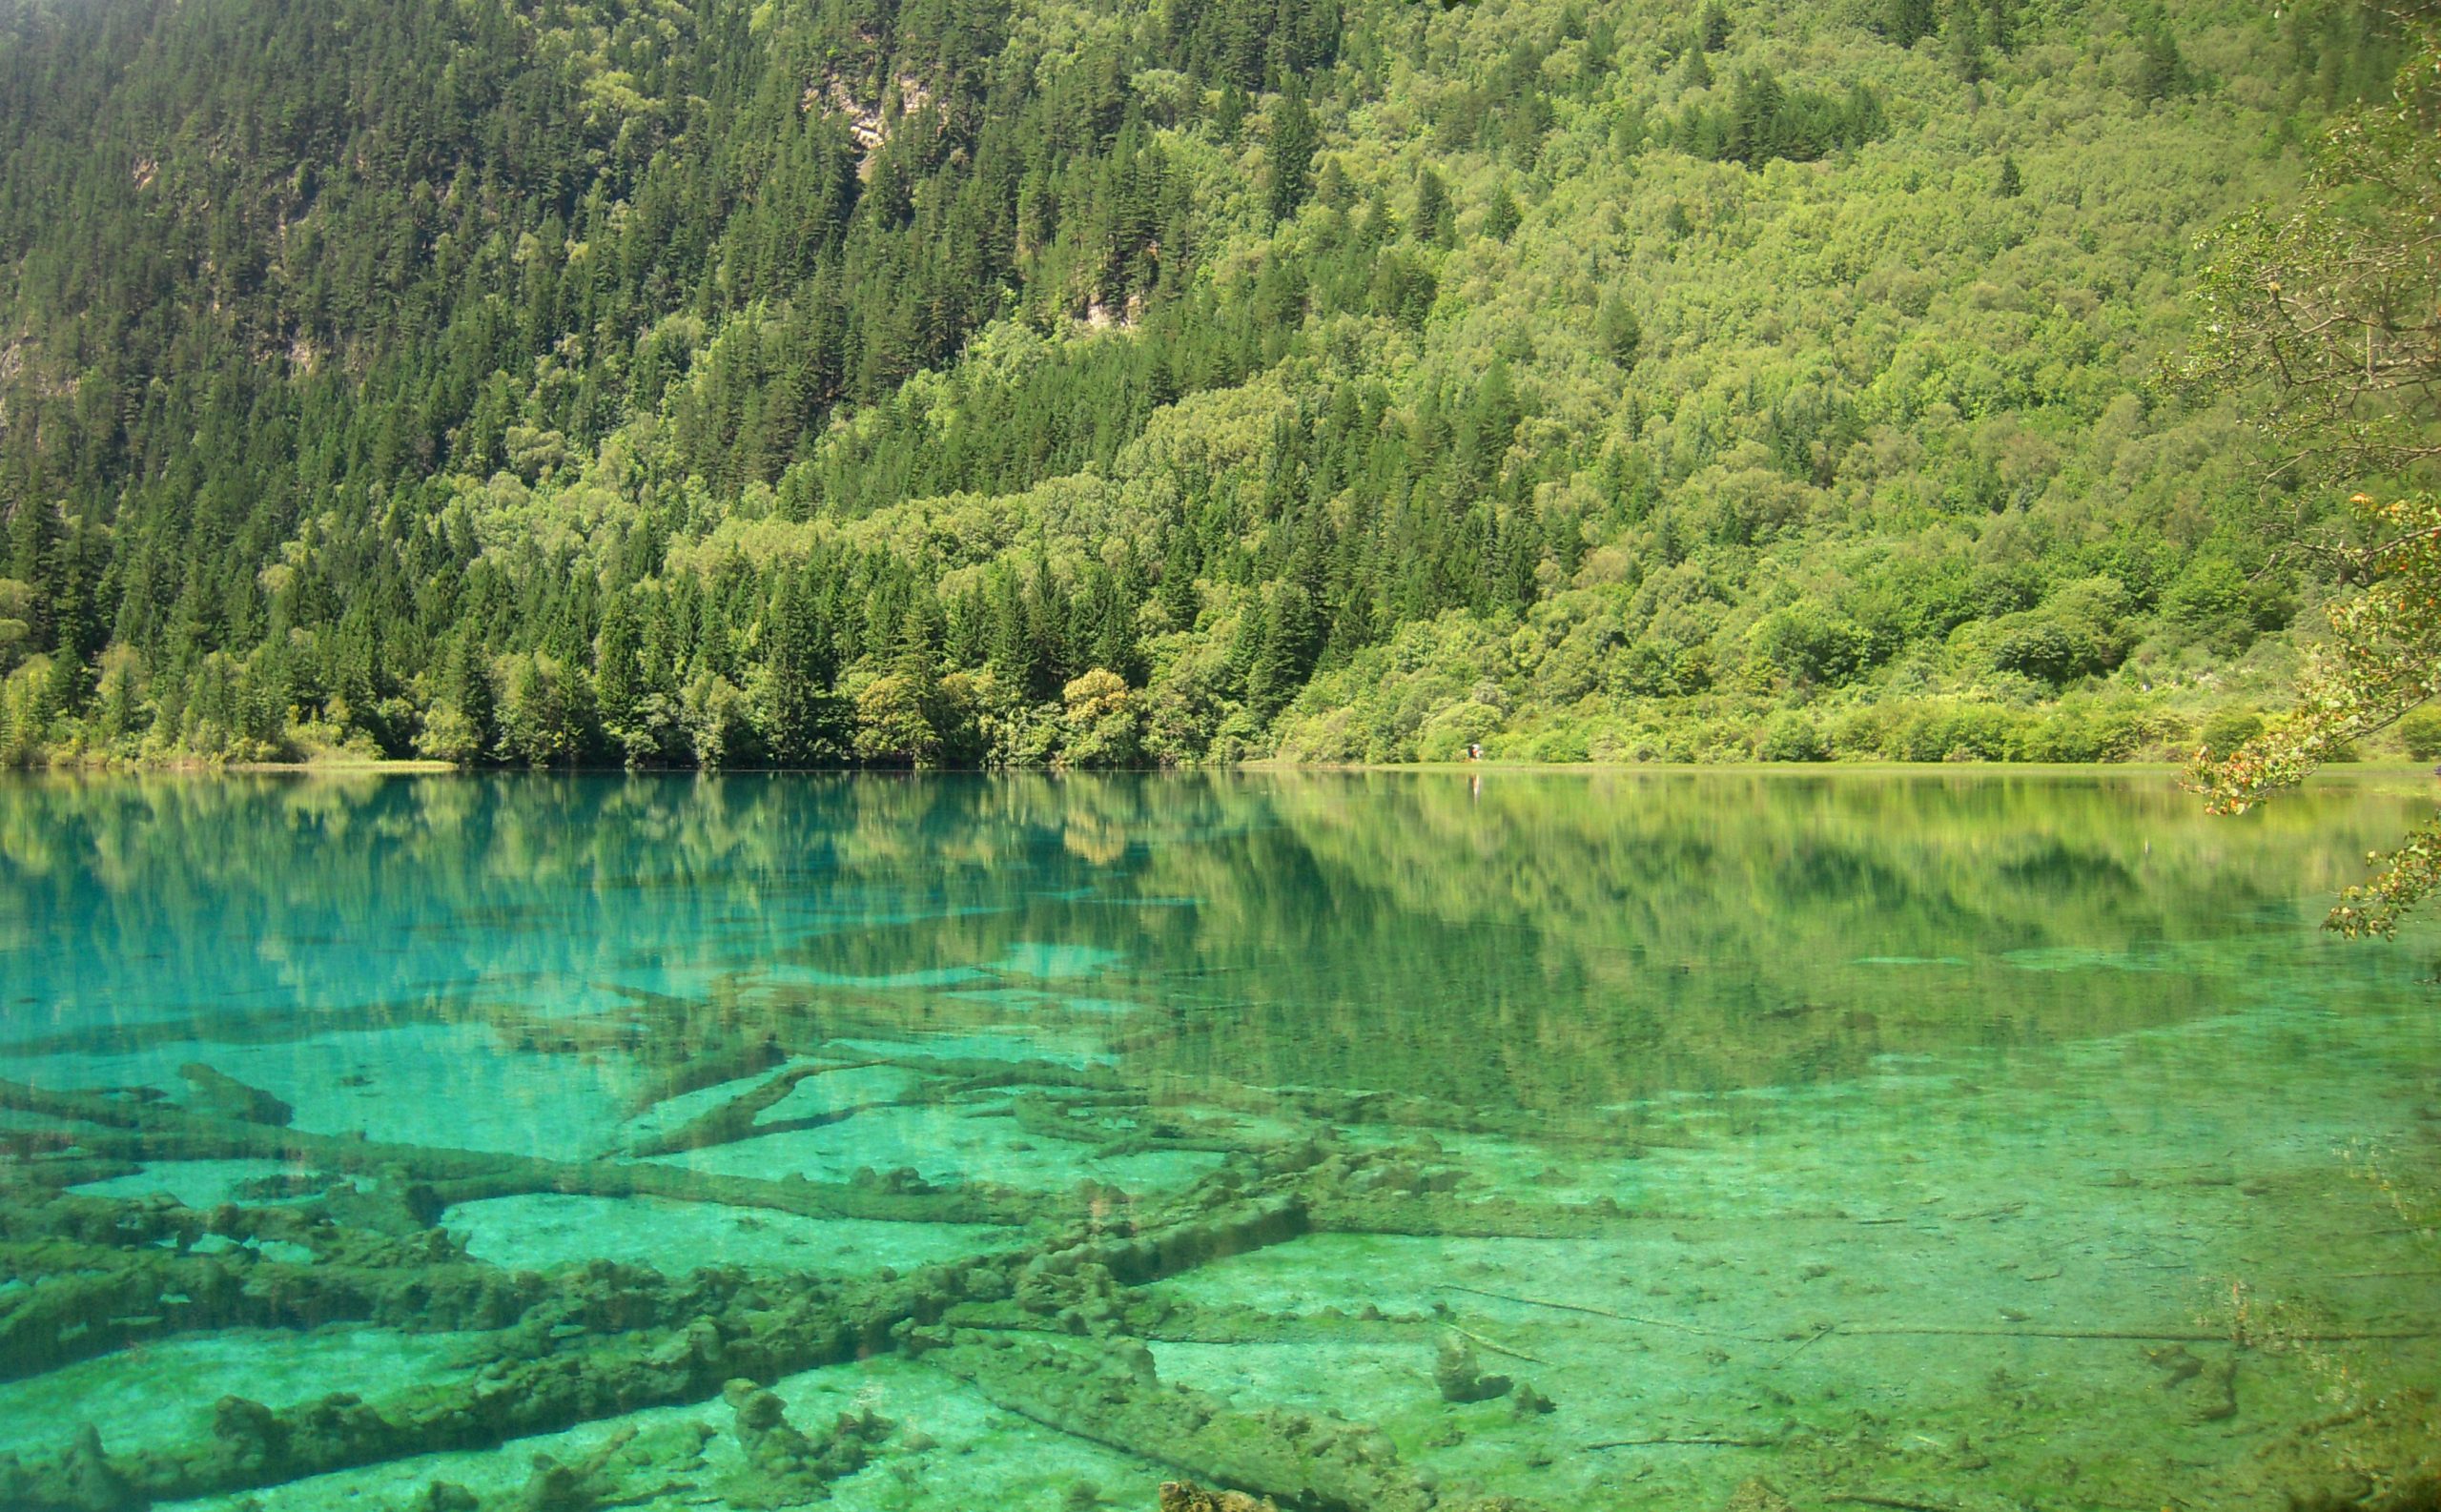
x=1559, y=746
x=1447, y=733
x=448, y=735
x=2063, y=736
x=1809, y=646
x=2122, y=734
x=1981, y=732
x=1789, y=737
x=2421, y=730
x=1861, y=734
x=2079, y=631
x=2227, y=730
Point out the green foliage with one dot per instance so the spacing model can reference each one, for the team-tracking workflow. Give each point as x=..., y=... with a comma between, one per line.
x=731, y=385
x=2420, y=731
x=1810, y=645
x=1104, y=725
x=894, y=728
x=2160, y=69
x=2321, y=309
x=1789, y=736
x=1907, y=22
x=1501, y=216
x=541, y=710
x=1618, y=331
x=2377, y=189
x=1288, y=172
x=2227, y=730
x=2382, y=664
x=2079, y=631
x=1764, y=120
x=1711, y=29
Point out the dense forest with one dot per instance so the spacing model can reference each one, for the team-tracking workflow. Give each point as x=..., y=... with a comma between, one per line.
x=1073, y=381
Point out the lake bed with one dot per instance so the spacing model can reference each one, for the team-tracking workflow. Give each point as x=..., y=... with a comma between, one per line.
x=1669, y=1139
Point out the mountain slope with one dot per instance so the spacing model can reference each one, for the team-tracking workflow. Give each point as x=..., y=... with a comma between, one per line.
x=1024, y=381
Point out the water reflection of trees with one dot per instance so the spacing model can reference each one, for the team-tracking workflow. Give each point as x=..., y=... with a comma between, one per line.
x=1556, y=943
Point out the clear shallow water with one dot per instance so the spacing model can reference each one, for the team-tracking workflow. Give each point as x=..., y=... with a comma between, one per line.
x=1963, y=1141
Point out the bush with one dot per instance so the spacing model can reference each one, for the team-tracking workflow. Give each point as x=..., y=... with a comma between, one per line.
x=2122, y=734
x=1861, y=734
x=1981, y=732
x=2079, y=631
x=1958, y=733
x=1789, y=737
x=2421, y=730
x=2064, y=736
x=2042, y=649
x=1809, y=646
x=2221, y=606
x=1559, y=746
x=448, y=736
x=2227, y=730
x=1447, y=733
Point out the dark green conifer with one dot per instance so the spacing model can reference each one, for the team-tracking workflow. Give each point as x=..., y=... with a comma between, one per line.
x=1289, y=155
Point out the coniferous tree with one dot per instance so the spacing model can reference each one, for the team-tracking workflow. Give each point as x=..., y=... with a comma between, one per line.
x=1290, y=154
x=469, y=688
x=2000, y=25
x=794, y=713
x=1964, y=36
x=2160, y=69
x=33, y=560
x=1908, y=22
x=1435, y=217
x=1501, y=214
x=618, y=680
x=1617, y=331
x=1713, y=28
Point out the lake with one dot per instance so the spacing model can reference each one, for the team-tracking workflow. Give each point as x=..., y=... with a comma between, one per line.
x=1934, y=1138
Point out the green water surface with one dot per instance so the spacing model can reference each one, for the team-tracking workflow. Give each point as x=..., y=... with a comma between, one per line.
x=1959, y=1141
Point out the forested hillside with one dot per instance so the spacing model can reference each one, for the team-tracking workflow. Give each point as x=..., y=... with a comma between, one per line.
x=1074, y=380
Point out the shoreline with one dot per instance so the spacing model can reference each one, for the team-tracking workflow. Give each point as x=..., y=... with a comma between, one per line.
x=406, y=765
x=2390, y=768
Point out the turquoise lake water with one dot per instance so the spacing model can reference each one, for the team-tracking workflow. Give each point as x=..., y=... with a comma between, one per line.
x=1693, y=1140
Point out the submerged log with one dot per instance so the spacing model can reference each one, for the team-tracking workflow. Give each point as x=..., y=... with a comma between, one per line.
x=1114, y=1398
x=587, y=1342
x=709, y=1067
x=225, y=1096
x=734, y=1120
x=130, y=1131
